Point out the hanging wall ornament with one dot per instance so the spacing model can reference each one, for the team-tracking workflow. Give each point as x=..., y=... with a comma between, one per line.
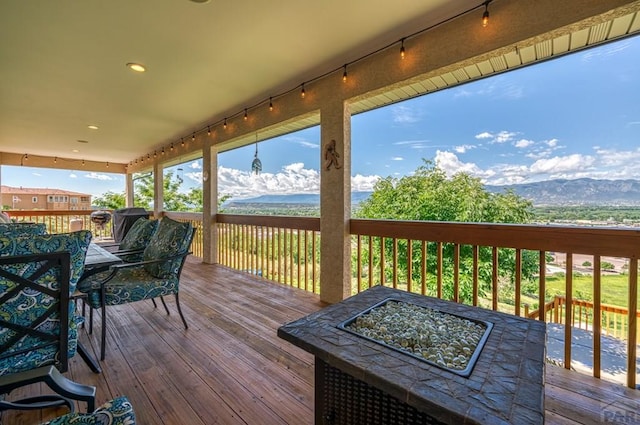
x=256, y=165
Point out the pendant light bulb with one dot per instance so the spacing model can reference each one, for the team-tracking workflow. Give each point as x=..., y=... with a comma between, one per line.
x=402, y=49
x=485, y=15
x=302, y=92
x=245, y=114
x=225, y=124
x=270, y=104
x=344, y=74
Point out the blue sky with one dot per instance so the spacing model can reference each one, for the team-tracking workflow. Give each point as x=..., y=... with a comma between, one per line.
x=576, y=116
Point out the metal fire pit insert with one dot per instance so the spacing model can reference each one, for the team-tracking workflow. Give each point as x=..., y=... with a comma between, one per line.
x=384, y=316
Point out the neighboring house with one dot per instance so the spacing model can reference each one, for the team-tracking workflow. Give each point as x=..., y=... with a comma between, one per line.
x=28, y=198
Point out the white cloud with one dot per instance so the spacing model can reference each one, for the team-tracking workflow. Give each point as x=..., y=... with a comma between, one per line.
x=397, y=158
x=73, y=176
x=562, y=164
x=405, y=115
x=503, y=137
x=195, y=165
x=463, y=148
x=450, y=164
x=37, y=174
x=484, y=135
x=97, y=176
x=523, y=143
x=413, y=144
x=196, y=176
x=360, y=183
x=552, y=143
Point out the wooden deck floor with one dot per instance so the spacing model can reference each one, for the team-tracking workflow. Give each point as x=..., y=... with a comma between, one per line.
x=229, y=367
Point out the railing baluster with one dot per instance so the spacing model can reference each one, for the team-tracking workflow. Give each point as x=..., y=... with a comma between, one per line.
x=632, y=323
x=542, y=263
x=370, y=269
x=568, y=310
x=423, y=268
x=456, y=272
x=395, y=263
x=494, y=279
x=439, y=270
x=476, y=277
x=359, y=263
x=382, y=261
x=409, y=265
x=518, y=281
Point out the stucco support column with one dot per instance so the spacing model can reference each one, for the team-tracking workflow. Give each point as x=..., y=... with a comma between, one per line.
x=210, y=203
x=335, y=202
x=128, y=190
x=158, y=190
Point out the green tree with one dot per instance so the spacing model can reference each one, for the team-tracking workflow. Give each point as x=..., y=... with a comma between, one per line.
x=174, y=200
x=429, y=195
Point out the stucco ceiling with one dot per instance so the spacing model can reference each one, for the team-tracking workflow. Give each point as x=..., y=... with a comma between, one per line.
x=62, y=63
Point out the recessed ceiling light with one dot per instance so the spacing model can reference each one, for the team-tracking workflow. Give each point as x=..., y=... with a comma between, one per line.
x=136, y=67
x=93, y=127
x=75, y=150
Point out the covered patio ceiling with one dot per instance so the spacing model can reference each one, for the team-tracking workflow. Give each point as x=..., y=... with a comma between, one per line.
x=63, y=64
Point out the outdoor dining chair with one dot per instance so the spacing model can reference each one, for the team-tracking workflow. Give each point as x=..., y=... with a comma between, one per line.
x=37, y=335
x=157, y=275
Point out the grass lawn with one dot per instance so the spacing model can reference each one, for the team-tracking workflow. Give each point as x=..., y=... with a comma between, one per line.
x=615, y=288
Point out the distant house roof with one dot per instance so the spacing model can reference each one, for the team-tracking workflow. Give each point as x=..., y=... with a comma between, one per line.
x=38, y=191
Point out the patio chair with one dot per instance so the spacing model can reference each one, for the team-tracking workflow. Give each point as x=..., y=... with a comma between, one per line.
x=118, y=411
x=131, y=247
x=36, y=321
x=157, y=275
x=22, y=229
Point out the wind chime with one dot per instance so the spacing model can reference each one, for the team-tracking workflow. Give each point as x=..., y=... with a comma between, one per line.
x=256, y=165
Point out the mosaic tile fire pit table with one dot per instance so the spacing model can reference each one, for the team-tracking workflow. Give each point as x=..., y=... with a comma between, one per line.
x=386, y=356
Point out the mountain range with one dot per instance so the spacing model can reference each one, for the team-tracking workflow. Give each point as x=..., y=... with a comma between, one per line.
x=545, y=193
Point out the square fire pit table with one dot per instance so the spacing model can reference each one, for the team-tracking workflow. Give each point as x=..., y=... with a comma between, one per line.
x=361, y=381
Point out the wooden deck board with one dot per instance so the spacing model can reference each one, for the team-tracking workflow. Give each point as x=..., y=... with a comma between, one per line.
x=230, y=367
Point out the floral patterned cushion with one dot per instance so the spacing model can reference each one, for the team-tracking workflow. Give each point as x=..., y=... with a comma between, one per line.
x=22, y=229
x=76, y=243
x=133, y=284
x=171, y=238
x=115, y=412
x=139, y=234
x=31, y=305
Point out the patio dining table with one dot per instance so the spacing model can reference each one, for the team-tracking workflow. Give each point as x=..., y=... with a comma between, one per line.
x=96, y=260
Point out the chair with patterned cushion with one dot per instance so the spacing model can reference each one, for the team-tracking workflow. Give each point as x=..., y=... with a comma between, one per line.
x=157, y=275
x=22, y=229
x=131, y=247
x=118, y=411
x=36, y=317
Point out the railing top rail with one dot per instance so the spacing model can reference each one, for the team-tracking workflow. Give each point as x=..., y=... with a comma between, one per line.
x=42, y=213
x=302, y=223
x=601, y=241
